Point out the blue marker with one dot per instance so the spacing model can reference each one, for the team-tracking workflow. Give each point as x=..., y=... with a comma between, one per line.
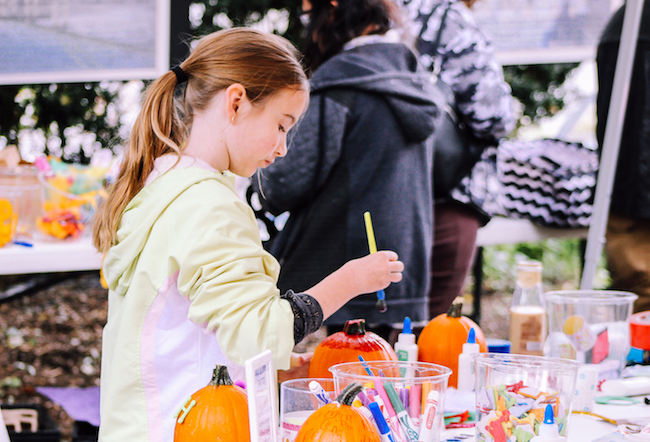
x=382, y=425
x=318, y=391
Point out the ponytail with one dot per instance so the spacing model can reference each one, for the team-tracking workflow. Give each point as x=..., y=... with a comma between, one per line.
x=262, y=62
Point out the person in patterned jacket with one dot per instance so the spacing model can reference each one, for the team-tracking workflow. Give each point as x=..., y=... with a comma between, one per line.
x=462, y=57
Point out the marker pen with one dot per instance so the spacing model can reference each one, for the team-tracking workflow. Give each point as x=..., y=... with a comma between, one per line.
x=402, y=415
x=429, y=419
x=414, y=405
x=382, y=426
x=318, y=391
x=394, y=421
x=390, y=418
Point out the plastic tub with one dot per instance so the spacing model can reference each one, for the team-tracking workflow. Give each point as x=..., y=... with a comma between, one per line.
x=512, y=392
x=415, y=392
x=590, y=326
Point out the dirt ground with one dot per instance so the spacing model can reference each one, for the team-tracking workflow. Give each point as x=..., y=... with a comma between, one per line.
x=52, y=337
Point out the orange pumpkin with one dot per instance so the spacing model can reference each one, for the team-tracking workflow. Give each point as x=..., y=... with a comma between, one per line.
x=442, y=339
x=339, y=421
x=347, y=346
x=218, y=412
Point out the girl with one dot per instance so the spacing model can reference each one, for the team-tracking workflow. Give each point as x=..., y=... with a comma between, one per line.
x=365, y=144
x=189, y=282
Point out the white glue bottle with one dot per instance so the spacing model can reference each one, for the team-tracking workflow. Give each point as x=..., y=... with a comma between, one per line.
x=466, y=375
x=405, y=347
x=548, y=430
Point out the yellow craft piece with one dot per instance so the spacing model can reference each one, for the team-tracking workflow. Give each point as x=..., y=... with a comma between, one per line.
x=8, y=222
x=501, y=404
x=538, y=413
x=573, y=324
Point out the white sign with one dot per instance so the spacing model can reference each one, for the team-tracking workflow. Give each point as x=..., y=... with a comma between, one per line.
x=63, y=41
x=262, y=403
x=544, y=31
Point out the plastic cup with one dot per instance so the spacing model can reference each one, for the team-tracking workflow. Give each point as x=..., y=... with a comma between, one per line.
x=590, y=326
x=412, y=392
x=512, y=392
x=297, y=403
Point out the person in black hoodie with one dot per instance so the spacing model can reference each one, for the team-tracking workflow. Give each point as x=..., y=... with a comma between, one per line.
x=628, y=227
x=364, y=144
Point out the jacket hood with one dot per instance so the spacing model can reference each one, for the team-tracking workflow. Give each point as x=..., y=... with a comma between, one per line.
x=392, y=70
x=139, y=218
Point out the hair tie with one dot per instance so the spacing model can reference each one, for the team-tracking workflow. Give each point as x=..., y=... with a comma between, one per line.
x=181, y=76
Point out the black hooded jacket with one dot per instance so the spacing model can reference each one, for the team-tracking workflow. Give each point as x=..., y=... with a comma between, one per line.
x=631, y=192
x=364, y=144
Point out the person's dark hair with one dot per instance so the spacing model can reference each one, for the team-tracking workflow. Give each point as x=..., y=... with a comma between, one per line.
x=330, y=27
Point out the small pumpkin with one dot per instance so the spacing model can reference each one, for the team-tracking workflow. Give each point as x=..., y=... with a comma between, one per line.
x=339, y=421
x=347, y=346
x=217, y=412
x=442, y=339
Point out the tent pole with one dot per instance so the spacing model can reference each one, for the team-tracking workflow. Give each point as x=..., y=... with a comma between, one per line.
x=612, y=140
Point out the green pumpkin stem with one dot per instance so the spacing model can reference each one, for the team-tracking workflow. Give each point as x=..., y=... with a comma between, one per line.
x=355, y=327
x=456, y=308
x=220, y=376
x=349, y=393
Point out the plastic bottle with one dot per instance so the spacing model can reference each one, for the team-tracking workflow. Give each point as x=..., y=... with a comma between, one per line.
x=405, y=347
x=527, y=311
x=548, y=430
x=466, y=375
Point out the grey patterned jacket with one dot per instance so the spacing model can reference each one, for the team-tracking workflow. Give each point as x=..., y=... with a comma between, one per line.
x=465, y=61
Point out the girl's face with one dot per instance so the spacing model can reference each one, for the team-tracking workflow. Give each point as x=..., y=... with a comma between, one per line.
x=258, y=134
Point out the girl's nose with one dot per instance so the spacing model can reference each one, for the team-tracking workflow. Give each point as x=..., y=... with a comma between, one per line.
x=281, y=150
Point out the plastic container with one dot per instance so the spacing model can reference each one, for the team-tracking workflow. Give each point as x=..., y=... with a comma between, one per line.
x=297, y=403
x=512, y=392
x=23, y=181
x=419, y=411
x=590, y=326
x=64, y=216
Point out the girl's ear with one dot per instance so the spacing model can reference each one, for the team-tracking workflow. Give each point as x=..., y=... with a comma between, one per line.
x=235, y=98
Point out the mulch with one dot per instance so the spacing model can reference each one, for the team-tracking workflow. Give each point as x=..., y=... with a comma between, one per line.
x=50, y=336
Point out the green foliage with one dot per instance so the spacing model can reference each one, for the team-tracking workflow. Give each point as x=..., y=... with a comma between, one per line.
x=248, y=13
x=537, y=88
x=53, y=108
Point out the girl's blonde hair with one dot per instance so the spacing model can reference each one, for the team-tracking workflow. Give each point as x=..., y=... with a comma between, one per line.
x=262, y=62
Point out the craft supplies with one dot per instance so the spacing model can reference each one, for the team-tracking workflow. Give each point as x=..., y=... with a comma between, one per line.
x=635, y=386
x=548, y=429
x=466, y=377
x=405, y=348
x=640, y=331
x=399, y=397
x=586, y=386
x=381, y=296
x=514, y=390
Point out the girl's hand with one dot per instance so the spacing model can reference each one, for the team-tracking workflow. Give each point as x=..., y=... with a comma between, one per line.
x=298, y=369
x=358, y=276
x=373, y=272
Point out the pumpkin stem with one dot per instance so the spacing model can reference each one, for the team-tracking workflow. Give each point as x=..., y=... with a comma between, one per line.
x=220, y=376
x=456, y=308
x=349, y=393
x=355, y=327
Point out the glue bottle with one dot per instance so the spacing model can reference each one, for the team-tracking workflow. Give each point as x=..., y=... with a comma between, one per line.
x=405, y=347
x=548, y=430
x=466, y=375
